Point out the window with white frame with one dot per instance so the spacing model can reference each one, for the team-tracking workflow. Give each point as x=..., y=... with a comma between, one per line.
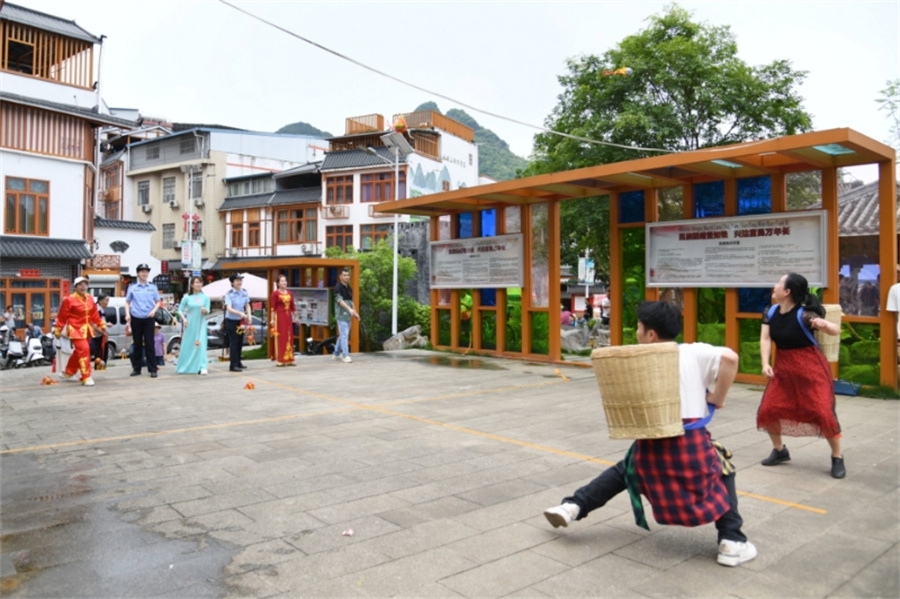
x=187, y=145
x=168, y=238
x=153, y=153
x=168, y=189
x=143, y=196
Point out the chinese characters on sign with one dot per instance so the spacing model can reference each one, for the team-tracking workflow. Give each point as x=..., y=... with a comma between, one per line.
x=751, y=251
x=482, y=262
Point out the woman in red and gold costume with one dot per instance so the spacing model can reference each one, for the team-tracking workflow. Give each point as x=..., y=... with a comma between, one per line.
x=76, y=315
x=284, y=315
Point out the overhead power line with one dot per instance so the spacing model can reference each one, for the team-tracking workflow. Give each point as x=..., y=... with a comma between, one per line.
x=434, y=93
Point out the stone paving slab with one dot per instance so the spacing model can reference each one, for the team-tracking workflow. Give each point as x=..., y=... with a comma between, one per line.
x=404, y=474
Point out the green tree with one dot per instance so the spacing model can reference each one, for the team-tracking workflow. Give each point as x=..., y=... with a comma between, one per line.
x=889, y=102
x=375, y=290
x=688, y=90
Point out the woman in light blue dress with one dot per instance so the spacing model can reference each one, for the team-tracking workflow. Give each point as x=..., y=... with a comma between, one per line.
x=192, y=311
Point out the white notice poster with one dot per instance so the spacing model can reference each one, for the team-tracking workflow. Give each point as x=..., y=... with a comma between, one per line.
x=746, y=251
x=482, y=262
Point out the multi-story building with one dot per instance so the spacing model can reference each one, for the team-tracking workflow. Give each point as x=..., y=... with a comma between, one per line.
x=52, y=125
x=358, y=173
x=179, y=182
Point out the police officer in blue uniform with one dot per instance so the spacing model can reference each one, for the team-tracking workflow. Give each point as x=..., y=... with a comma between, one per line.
x=141, y=304
x=237, y=309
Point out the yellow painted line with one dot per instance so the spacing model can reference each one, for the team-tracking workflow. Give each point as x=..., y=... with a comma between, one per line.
x=351, y=405
x=798, y=506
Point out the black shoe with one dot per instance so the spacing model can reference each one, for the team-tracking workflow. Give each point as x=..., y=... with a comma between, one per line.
x=235, y=370
x=135, y=373
x=777, y=457
x=152, y=375
x=837, y=467
x=242, y=367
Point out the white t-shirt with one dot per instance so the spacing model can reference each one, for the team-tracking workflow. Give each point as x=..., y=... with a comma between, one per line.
x=699, y=367
x=893, y=303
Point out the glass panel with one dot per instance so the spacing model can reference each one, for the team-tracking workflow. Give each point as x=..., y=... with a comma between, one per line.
x=15, y=184
x=10, y=213
x=43, y=221
x=28, y=207
x=488, y=297
x=860, y=354
x=671, y=203
x=488, y=223
x=38, y=186
x=754, y=300
x=513, y=218
x=443, y=297
x=464, y=222
x=673, y=295
x=465, y=318
x=631, y=207
x=803, y=189
x=54, y=305
x=709, y=199
x=443, y=327
x=488, y=329
x=630, y=297
x=748, y=345
x=18, y=304
x=540, y=253
x=444, y=227
x=540, y=333
x=711, y=315
x=38, y=314
x=514, y=319
x=754, y=195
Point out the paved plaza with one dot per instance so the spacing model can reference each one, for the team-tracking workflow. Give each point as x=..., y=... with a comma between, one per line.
x=405, y=474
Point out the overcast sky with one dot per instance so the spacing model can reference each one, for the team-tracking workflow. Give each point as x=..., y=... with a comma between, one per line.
x=202, y=61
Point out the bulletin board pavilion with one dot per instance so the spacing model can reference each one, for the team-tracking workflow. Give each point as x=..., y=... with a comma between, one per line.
x=729, y=181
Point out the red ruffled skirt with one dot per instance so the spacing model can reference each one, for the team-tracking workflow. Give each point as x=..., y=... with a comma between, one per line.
x=799, y=399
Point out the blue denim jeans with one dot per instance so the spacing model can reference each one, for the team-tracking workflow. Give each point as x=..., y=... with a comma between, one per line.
x=342, y=346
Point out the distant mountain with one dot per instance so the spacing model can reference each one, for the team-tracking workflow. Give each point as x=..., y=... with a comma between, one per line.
x=495, y=159
x=301, y=128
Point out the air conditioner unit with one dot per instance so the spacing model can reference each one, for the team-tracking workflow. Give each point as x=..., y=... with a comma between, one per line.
x=231, y=252
x=198, y=202
x=337, y=211
x=201, y=240
x=173, y=204
x=147, y=208
x=308, y=248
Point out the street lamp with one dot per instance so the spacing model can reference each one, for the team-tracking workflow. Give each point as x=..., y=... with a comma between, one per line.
x=398, y=146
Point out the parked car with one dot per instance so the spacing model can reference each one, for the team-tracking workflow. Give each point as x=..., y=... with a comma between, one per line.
x=119, y=341
x=216, y=333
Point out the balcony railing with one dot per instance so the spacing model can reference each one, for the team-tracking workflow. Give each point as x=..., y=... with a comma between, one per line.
x=363, y=124
x=427, y=119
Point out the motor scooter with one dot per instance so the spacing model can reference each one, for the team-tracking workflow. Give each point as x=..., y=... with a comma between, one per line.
x=11, y=354
x=317, y=348
x=34, y=354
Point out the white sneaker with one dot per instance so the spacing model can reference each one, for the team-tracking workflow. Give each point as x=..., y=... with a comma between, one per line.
x=735, y=553
x=334, y=356
x=88, y=382
x=69, y=378
x=203, y=372
x=562, y=515
x=348, y=359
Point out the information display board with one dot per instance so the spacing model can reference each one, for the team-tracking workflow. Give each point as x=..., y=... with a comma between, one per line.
x=313, y=305
x=745, y=251
x=479, y=262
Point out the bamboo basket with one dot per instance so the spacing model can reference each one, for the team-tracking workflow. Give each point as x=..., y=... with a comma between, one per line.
x=830, y=344
x=640, y=389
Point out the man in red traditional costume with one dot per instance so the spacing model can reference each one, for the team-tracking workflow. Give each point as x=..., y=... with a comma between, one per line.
x=688, y=479
x=76, y=315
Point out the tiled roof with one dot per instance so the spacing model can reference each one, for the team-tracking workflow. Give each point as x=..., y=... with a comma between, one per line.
x=39, y=20
x=253, y=201
x=12, y=246
x=131, y=225
x=858, y=211
x=359, y=159
x=303, y=169
x=85, y=113
x=301, y=195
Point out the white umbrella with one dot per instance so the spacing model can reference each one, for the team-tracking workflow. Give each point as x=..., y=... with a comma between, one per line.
x=255, y=286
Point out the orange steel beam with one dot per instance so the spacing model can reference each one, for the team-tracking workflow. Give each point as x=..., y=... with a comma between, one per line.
x=614, y=292
x=887, y=251
x=731, y=293
x=689, y=315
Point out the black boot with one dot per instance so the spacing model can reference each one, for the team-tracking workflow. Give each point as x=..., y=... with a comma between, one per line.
x=837, y=467
x=777, y=457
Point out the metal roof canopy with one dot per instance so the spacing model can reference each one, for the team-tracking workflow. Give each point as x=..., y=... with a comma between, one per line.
x=795, y=153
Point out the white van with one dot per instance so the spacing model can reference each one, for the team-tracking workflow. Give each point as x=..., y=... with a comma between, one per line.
x=115, y=327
